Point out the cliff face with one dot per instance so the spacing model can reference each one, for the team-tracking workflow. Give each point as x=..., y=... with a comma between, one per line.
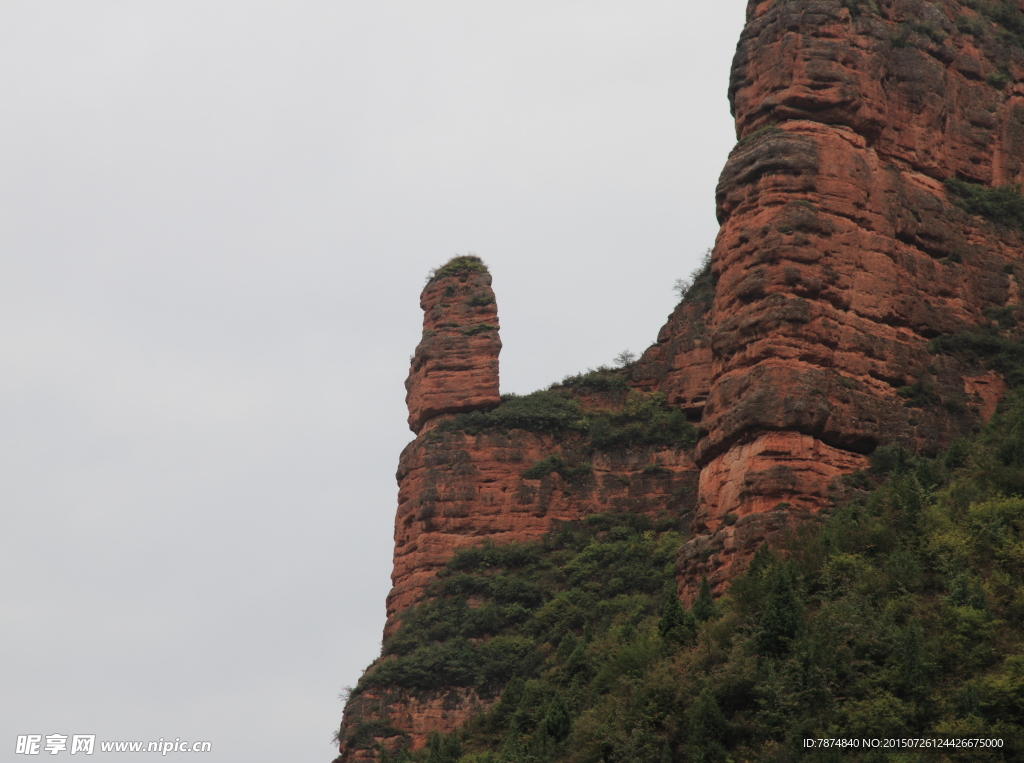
x=841, y=255
x=843, y=252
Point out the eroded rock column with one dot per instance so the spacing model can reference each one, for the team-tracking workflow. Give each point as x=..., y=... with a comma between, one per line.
x=455, y=368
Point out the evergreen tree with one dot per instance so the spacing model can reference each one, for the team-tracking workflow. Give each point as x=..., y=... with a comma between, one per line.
x=578, y=664
x=676, y=624
x=444, y=749
x=557, y=723
x=704, y=607
x=567, y=646
x=782, y=616
x=706, y=728
x=666, y=754
x=762, y=560
x=513, y=751
x=911, y=662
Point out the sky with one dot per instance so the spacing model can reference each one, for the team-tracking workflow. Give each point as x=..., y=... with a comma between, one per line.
x=215, y=221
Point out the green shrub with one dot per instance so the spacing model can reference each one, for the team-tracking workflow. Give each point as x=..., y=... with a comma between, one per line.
x=999, y=353
x=699, y=288
x=1006, y=317
x=970, y=25
x=998, y=79
x=1008, y=17
x=555, y=464
x=362, y=736
x=458, y=266
x=543, y=411
x=480, y=328
x=757, y=134
x=480, y=300
x=900, y=614
x=1003, y=204
x=644, y=420
x=600, y=380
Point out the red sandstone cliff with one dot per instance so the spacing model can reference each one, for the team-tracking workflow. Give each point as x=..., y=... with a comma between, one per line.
x=840, y=255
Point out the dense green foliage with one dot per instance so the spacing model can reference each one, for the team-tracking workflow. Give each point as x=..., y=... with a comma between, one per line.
x=580, y=577
x=901, y=615
x=546, y=412
x=600, y=380
x=458, y=266
x=550, y=464
x=987, y=348
x=644, y=419
x=1005, y=14
x=1003, y=204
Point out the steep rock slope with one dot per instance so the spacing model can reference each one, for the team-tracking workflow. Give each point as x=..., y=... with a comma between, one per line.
x=862, y=281
x=483, y=468
x=842, y=253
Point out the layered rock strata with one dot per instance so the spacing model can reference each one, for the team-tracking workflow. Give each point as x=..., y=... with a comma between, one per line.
x=802, y=350
x=458, y=489
x=455, y=367
x=840, y=255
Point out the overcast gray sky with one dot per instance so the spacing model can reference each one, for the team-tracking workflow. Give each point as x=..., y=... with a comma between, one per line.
x=215, y=221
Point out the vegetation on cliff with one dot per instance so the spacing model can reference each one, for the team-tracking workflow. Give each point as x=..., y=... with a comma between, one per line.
x=458, y=266
x=901, y=615
x=1002, y=204
x=638, y=420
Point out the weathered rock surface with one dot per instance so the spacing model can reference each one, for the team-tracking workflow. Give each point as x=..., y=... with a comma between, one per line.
x=840, y=256
x=457, y=490
x=455, y=367
x=405, y=719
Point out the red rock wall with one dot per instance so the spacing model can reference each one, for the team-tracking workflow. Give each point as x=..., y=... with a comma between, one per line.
x=457, y=490
x=416, y=716
x=840, y=256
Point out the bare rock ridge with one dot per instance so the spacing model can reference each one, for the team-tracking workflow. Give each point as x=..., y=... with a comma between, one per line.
x=845, y=254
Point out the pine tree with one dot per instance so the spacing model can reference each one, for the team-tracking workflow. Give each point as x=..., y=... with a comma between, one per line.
x=578, y=663
x=782, y=617
x=676, y=624
x=444, y=749
x=762, y=560
x=913, y=671
x=706, y=728
x=557, y=723
x=704, y=607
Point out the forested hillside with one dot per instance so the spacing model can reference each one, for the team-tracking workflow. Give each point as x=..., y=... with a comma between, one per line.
x=900, y=614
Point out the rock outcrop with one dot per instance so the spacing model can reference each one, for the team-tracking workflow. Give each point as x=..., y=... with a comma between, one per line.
x=455, y=368
x=841, y=254
x=844, y=250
